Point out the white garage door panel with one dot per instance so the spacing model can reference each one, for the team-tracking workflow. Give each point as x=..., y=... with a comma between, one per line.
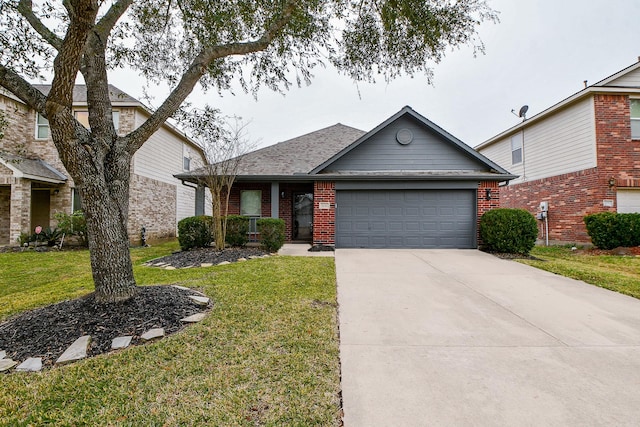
x=406, y=219
x=628, y=201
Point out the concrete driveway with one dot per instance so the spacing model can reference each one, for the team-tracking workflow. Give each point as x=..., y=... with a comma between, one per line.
x=461, y=338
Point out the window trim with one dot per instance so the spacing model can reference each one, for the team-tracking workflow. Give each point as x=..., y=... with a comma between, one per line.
x=519, y=149
x=634, y=119
x=41, y=125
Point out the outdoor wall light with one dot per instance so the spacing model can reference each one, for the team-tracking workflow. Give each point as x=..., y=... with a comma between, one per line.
x=487, y=194
x=282, y=195
x=612, y=182
x=55, y=192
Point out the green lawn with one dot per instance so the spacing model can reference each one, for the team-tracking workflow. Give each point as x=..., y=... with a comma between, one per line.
x=618, y=273
x=267, y=354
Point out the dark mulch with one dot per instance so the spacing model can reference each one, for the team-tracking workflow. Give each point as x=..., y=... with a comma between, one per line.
x=47, y=332
x=503, y=255
x=322, y=248
x=195, y=257
x=620, y=251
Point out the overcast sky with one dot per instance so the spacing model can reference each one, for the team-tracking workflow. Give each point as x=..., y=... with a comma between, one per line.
x=539, y=53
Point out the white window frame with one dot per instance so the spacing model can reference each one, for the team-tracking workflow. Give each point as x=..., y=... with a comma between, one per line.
x=41, y=126
x=517, y=149
x=635, y=120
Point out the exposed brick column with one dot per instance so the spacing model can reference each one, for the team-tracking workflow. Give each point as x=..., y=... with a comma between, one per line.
x=484, y=205
x=20, y=209
x=324, y=220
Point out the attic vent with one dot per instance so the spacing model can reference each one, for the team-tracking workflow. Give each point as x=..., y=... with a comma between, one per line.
x=404, y=136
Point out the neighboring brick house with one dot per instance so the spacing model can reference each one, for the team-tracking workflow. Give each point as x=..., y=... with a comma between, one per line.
x=34, y=184
x=405, y=184
x=581, y=156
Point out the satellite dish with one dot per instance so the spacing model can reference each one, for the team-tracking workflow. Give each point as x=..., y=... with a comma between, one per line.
x=523, y=111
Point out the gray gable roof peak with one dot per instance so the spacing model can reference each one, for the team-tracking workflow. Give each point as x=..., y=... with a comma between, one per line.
x=34, y=169
x=408, y=111
x=116, y=95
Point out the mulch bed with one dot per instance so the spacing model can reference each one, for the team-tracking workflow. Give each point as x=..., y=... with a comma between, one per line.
x=620, y=251
x=48, y=331
x=513, y=256
x=196, y=257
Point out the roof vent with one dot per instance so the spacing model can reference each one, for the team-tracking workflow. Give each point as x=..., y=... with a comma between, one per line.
x=404, y=136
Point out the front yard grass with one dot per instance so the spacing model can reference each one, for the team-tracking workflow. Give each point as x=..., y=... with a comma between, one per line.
x=267, y=353
x=617, y=273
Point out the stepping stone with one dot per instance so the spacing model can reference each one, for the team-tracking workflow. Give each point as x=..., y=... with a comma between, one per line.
x=241, y=259
x=76, y=351
x=3, y=354
x=194, y=318
x=202, y=301
x=152, y=334
x=169, y=267
x=159, y=264
x=206, y=264
x=224, y=263
x=32, y=364
x=120, y=342
x=188, y=266
x=182, y=288
x=6, y=364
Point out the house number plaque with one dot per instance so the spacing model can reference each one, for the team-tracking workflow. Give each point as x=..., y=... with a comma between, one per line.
x=324, y=205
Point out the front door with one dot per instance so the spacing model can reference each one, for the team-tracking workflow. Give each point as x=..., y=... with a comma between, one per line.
x=302, y=216
x=40, y=208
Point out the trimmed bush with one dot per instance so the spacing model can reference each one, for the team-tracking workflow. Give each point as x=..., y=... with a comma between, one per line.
x=511, y=231
x=237, y=229
x=195, y=232
x=271, y=233
x=609, y=230
x=73, y=225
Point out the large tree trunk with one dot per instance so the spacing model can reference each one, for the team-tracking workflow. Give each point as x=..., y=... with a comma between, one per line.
x=108, y=242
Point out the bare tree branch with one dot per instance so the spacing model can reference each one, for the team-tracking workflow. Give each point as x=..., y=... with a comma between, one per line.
x=25, y=7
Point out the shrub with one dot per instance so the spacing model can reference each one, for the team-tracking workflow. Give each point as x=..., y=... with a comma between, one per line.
x=195, y=232
x=508, y=231
x=73, y=225
x=609, y=230
x=237, y=229
x=50, y=236
x=271, y=233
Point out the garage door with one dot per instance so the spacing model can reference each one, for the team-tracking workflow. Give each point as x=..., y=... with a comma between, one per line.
x=628, y=201
x=406, y=219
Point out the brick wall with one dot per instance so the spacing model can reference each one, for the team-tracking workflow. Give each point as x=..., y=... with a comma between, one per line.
x=324, y=220
x=570, y=196
x=573, y=195
x=484, y=205
x=20, y=208
x=154, y=208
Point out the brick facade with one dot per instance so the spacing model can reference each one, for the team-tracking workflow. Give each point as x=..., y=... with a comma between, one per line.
x=324, y=220
x=285, y=205
x=152, y=203
x=158, y=218
x=573, y=195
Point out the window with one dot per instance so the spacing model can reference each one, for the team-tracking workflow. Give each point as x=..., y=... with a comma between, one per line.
x=635, y=118
x=77, y=202
x=251, y=203
x=83, y=118
x=186, y=163
x=516, y=149
x=42, y=127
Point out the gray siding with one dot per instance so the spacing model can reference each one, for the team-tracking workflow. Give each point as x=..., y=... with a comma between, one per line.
x=631, y=79
x=382, y=152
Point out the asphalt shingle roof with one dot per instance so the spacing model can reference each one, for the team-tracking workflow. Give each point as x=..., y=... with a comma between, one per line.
x=34, y=167
x=298, y=155
x=80, y=94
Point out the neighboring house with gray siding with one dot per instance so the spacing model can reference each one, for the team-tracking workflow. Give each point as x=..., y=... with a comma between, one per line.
x=405, y=184
x=34, y=184
x=581, y=156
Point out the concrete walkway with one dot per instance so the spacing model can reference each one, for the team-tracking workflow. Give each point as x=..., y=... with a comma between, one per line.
x=301, y=249
x=461, y=338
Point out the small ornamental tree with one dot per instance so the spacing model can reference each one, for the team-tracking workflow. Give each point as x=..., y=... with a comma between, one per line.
x=182, y=43
x=508, y=231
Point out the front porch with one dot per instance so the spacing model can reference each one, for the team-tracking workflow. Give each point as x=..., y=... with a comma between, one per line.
x=293, y=202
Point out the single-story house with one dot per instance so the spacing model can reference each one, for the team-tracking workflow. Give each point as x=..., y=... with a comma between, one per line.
x=405, y=184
